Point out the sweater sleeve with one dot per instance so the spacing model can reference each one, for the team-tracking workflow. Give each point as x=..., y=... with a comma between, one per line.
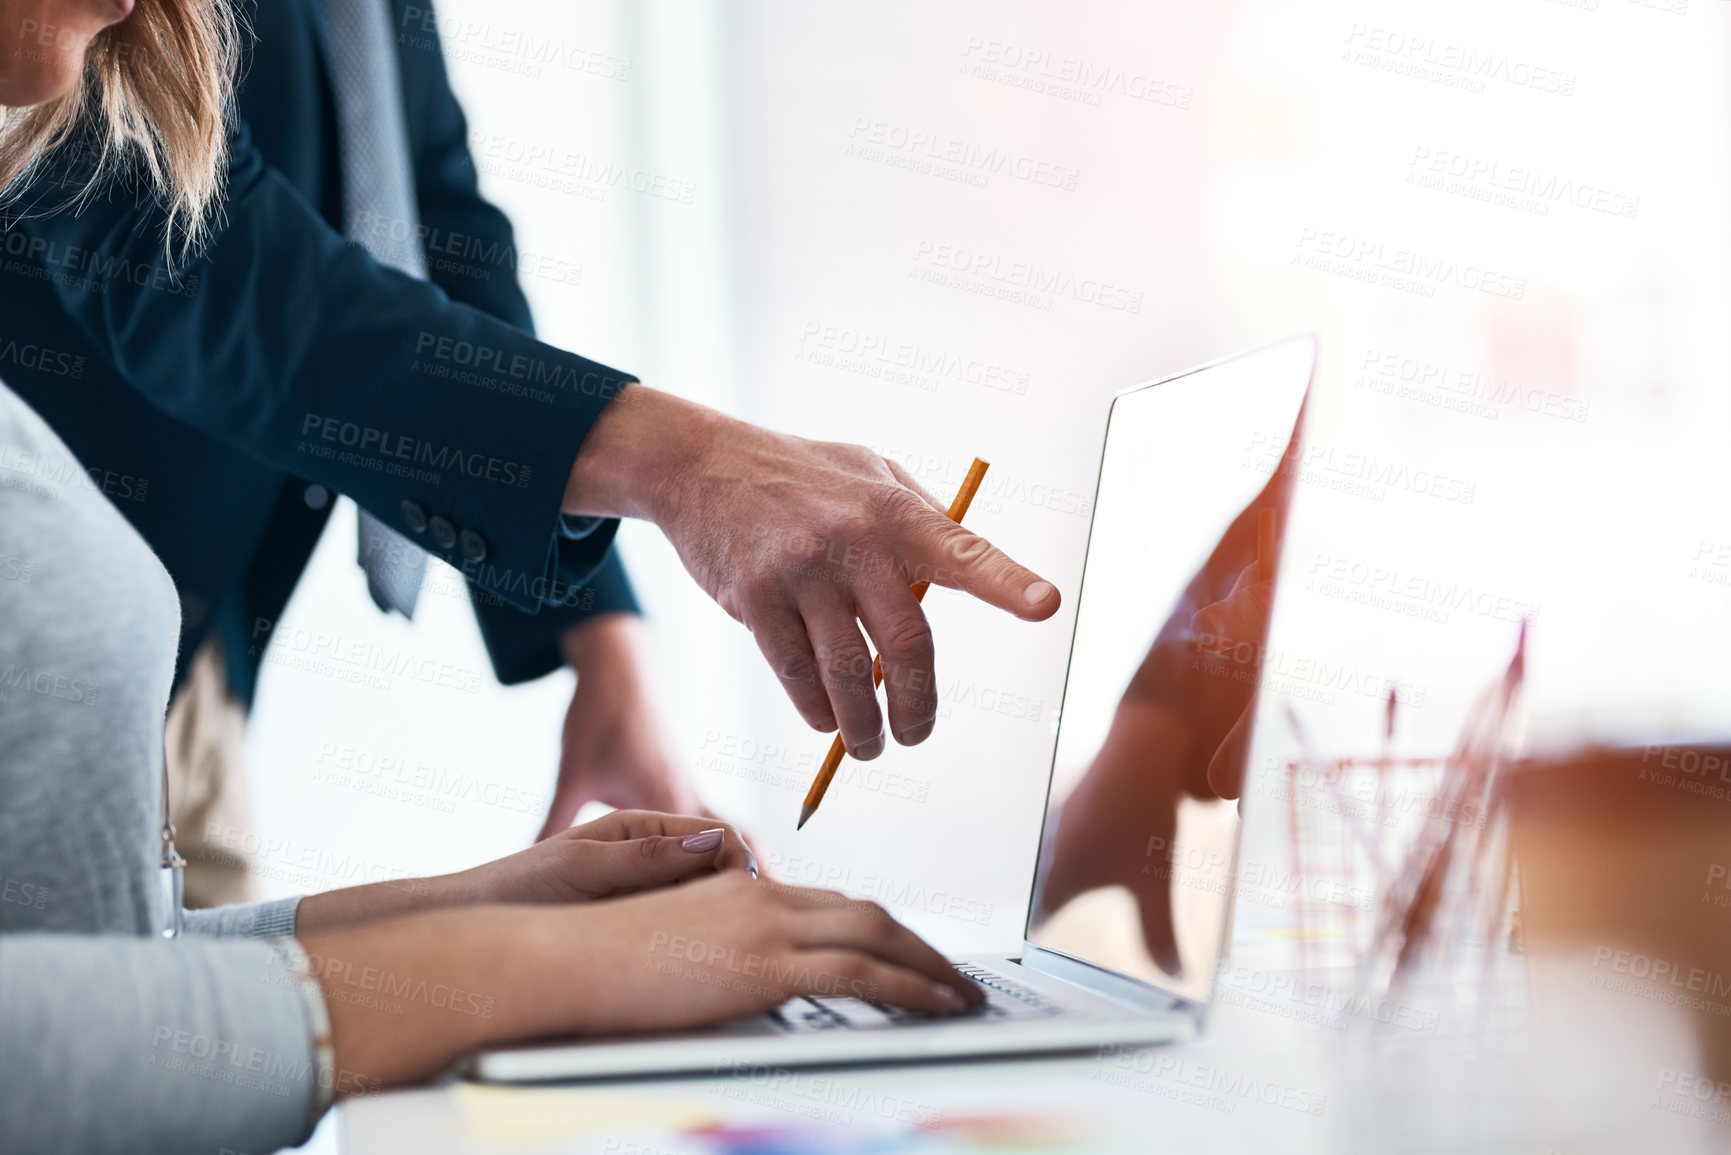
x=136, y=1045
x=245, y=920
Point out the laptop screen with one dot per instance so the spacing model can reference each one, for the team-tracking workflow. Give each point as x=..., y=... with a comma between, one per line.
x=1139, y=850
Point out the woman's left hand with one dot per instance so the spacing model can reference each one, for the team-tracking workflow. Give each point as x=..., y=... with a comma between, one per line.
x=624, y=852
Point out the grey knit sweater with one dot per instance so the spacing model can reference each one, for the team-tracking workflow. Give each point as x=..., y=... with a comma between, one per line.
x=112, y=1039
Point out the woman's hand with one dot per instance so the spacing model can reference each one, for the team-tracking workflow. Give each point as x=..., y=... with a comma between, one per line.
x=729, y=947
x=720, y=948
x=621, y=853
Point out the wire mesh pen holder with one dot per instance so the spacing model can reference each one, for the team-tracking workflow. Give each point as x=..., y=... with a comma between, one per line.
x=1402, y=865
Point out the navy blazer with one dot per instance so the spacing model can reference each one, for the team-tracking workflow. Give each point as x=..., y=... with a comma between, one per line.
x=218, y=401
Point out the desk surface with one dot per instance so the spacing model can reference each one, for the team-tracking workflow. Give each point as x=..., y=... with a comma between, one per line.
x=1280, y=1068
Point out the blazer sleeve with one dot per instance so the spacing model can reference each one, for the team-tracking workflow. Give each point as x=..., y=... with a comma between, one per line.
x=472, y=254
x=448, y=423
x=524, y=648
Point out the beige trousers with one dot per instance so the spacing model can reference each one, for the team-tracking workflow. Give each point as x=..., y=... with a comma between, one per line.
x=207, y=784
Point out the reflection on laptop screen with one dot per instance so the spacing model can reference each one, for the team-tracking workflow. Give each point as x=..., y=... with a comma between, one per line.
x=1140, y=844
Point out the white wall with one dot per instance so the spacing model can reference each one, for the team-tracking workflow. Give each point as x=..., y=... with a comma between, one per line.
x=1202, y=158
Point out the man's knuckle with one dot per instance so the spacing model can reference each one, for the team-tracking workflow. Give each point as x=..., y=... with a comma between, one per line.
x=762, y=591
x=852, y=528
x=839, y=649
x=908, y=637
x=968, y=549
x=863, y=459
x=895, y=504
x=796, y=669
x=848, y=665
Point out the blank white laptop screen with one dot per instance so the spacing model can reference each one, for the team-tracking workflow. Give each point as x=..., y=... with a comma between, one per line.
x=1139, y=850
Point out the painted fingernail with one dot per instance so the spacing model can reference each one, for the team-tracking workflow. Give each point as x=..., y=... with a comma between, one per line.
x=870, y=748
x=1038, y=592
x=703, y=840
x=951, y=1000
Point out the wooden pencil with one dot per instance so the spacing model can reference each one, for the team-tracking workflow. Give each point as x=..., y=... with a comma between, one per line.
x=832, y=761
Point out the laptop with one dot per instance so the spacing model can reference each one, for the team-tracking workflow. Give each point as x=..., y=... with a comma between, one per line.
x=1133, y=885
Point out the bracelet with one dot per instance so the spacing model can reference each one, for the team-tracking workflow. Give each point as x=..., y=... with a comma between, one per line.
x=313, y=999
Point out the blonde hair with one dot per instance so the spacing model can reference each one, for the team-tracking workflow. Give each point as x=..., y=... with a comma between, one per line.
x=155, y=95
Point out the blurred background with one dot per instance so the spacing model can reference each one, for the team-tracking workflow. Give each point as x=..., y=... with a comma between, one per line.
x=950, y=230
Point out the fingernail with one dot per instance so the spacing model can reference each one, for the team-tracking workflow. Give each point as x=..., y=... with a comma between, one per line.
x=1038, y=592
x=870, y=748
x=951, y=1000
x=703, y=840
x=917, y=733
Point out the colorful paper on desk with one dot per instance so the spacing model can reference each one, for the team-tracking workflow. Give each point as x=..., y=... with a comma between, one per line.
x=652, y=1123
x=548, y=1116
x=971, y=1133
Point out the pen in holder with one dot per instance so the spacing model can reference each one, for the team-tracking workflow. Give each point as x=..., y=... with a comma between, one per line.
x=1428, y=837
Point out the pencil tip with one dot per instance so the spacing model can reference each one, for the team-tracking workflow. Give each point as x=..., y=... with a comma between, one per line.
x=805, y=813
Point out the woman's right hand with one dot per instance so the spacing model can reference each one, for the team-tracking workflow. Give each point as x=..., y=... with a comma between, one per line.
x=730, y=946
x=407, y=996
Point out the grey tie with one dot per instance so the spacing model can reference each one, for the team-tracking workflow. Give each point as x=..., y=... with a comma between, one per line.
x=379, y=212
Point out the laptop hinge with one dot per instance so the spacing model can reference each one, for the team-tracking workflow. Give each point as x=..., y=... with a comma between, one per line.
x=1128, y=992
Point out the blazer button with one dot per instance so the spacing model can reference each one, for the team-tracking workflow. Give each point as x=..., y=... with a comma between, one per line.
x=414, y=516
x=317, y=496
x=473, y=545
x=444, y=533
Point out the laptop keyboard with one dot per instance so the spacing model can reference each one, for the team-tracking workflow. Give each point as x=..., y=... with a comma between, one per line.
x=1006, y=1000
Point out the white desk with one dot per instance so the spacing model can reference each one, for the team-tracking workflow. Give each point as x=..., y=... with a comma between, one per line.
x=1262, y=1079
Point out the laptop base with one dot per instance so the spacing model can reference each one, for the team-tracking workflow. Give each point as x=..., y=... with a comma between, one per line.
x=1066, y=1017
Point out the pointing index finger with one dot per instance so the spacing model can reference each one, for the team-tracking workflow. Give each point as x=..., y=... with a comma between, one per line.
x=945, y=554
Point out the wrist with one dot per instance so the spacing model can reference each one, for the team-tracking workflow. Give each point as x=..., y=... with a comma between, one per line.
x=350, y=906
x=471, y=978
x=516, y=959
x=472, y=887
x=608, y=641
x=635, y=454
x=522, y=973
